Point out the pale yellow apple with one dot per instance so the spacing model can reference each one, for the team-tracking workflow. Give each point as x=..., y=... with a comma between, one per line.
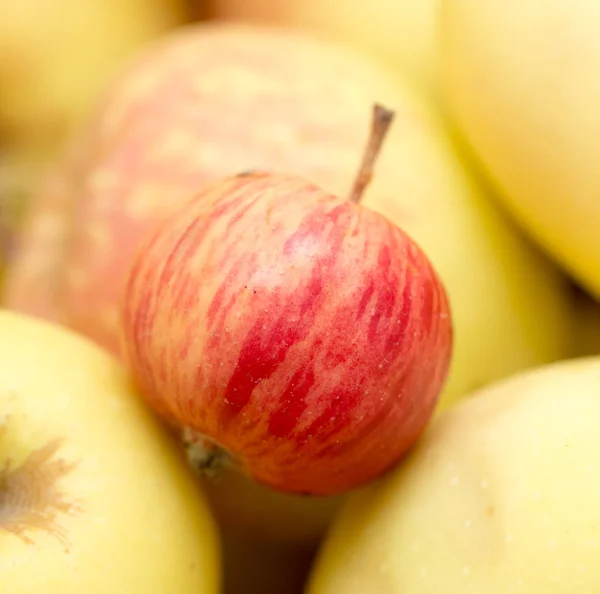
x=58, y=54
x=402, y=33
x=94, y=496
x=502, y=495
x=521, y=80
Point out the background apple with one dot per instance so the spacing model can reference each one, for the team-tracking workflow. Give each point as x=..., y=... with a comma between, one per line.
x=501, y=495
x=94, y=495
x=402, y=33
x=179, y=117
x=56, y=56
x=520, y=80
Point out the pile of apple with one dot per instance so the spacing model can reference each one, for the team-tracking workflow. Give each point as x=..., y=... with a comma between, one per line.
x=300, y=312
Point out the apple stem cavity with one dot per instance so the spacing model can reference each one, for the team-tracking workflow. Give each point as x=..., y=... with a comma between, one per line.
x=381, y=122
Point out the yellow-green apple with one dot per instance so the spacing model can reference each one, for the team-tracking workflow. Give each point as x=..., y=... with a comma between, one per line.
x=520, y=80
x=399, y=32
x=288, y=102
x=94, y=494
x=501, y=495
x=293, y=333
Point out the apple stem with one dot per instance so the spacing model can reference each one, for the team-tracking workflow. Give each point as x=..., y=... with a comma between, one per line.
x=382, y=119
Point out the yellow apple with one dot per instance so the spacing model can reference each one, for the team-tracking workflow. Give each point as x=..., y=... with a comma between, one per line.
x=57, y=54
x=94, y=495
x=399, y=32
x=521, y=80
x=502, y=495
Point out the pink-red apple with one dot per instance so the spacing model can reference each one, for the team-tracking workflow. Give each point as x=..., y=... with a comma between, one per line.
x=304, y=337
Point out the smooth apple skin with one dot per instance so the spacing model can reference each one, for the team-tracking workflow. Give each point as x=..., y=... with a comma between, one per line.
x=52, y=67
x=520, y=81
x=501, y=495
x=137, y=521
x=305, y=334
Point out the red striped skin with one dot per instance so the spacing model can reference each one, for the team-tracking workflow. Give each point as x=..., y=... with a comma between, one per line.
x=305, y=334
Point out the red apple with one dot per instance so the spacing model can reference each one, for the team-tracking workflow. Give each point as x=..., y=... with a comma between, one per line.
x=298, y=335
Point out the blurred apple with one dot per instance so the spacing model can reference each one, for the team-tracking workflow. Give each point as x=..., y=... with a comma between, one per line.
x=500, y=496
x=521, y=80
x=94, y=495
x=57, y=55
x=400, y=32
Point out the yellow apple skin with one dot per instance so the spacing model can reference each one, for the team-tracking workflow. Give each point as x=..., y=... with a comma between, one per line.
x=401, y=33
x=502, y=495
x=520, y=78
x=58, y=54
x=135, y=520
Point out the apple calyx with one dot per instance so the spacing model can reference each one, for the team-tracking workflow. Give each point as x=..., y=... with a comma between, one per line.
x=382, y=120
x=205, y=456
x=30, y=497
